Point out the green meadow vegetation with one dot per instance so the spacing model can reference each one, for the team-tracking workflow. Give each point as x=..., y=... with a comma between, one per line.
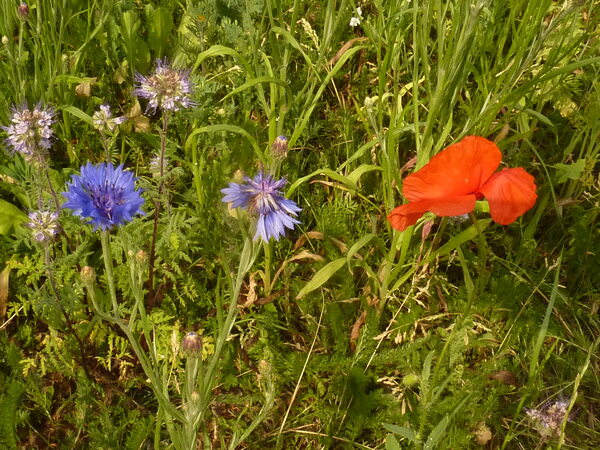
x=179, y=327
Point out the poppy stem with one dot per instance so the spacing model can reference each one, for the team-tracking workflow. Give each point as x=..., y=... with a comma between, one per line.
x=482, y=255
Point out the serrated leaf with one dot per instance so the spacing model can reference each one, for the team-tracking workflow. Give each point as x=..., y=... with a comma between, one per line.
x=570, y=171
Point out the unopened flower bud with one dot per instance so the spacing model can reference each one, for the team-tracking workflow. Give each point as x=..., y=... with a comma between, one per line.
x=5, y=40
x=280, y=147
x=192, y=344
x=410, y=380
x=141, y=257
x=23, y=11
x=88, y=275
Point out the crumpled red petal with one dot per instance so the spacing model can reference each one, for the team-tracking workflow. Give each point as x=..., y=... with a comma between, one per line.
x=510, y=194
x=406, y=215
x=460, y=169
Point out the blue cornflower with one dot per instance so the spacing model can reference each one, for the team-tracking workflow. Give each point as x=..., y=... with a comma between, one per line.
x=167, y=88
x=261, y=196
x=104, y=194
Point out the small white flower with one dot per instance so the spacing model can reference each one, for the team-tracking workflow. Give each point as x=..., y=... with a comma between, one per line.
x=355, y=21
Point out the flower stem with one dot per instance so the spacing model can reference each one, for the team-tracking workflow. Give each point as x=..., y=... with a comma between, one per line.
x=51, y=188
x=157, y=208
x=149, y=365
x=267, y=271
x=108, y=267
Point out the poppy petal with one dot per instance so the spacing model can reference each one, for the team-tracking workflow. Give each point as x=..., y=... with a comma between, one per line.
x=462, y=168
x=403, y=216
x=406, y=215
x=510, y=193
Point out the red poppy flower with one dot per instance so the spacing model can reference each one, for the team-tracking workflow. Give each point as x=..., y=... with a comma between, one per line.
x=451, y=182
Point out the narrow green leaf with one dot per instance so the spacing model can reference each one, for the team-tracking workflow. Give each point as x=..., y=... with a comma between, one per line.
x=360, y=171
x=303, y=121
x=321, y=277
x=467, y=235
x=405, y=432
x=159, y=29
x=539, y=116
x=294, y=43
x=215, y=50
x=364, y=240
x=436, y=434
x=218, y=128
x=254, y=82
x=79, y=114
x=391, y=443
x=330, y=173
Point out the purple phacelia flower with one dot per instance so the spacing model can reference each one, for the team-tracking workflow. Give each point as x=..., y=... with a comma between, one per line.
x=104, y=121
x=44, y=225
x=549, y=417
x=30, y=131
x=262, y=197
x=167, y=88
x=104, y=194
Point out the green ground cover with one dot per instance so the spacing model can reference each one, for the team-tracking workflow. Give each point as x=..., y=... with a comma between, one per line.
x=457, y=332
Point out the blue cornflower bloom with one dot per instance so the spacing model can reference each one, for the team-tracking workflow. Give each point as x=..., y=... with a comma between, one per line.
x=104, y=194
x=261, y=196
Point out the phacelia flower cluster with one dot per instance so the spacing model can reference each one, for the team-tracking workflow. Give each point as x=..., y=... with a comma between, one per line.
x=104, y=194
x=167, y=88
x=262, y=197
x=30, y=131
x=104, y=121
x=549, y=417
x=44, y=225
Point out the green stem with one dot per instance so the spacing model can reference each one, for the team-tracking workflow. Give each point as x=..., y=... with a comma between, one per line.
x=483, y=252
x=267, y=271
x=246, y=260
x=108, y=268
